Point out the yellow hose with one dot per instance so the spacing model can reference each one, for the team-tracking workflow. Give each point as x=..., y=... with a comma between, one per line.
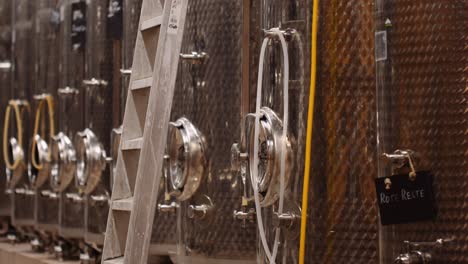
x=310, y=125
x=48, y=100
x=15, y=105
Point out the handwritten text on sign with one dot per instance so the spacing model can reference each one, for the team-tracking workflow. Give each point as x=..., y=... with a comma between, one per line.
x=402, y=200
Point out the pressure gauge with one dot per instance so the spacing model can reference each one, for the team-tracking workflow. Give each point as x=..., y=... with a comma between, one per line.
x=62, y=162
x=90, y=161
x=185, y=160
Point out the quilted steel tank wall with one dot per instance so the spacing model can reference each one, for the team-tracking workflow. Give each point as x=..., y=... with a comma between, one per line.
x=343, y=219
x=422, y=101
x=98, y=108
x=22, y=88
x=46, y=25
x=71, y=74
x=46, y=35
x=5, y=82
x=208, y=94
x=131, y=16
x=72, y=68
x=294, y=16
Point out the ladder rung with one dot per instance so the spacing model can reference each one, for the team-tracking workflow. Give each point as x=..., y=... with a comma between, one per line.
x=123, y=204
x=142, y=83
x=118, y=260
x=132, y=144
x=150, y=23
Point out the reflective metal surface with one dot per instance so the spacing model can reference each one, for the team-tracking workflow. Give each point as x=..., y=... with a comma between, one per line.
x=270, y=140
x=5, y=81
x=130, y=17
x=208, y=95
x=343, y=219
x=186, y=162
x=293, y=18
x=22, y=209
x=92, y=144
x=90, y=161
x=422, y=106
x=63, y=162
x=71, y=119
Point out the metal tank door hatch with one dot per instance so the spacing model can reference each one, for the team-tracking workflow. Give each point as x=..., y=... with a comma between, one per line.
x=91, y=160
x=268, y=180
x=13, y=149
x=40, y=153
x=91, y=157
x=184, y=168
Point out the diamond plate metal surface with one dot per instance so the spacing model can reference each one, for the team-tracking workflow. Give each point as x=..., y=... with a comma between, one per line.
x=72, y=68
x=131, y=18
x=22, y=209
x=212, y=103
x=98, y=108
x=343, y=220
x=290, y=15
x=426, y=108
x=5, y=82
x=208, y=94
x=46, y=79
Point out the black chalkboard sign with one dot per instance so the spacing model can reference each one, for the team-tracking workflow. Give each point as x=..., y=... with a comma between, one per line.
x=114, y=19
x=402, y=200
x=78, y=25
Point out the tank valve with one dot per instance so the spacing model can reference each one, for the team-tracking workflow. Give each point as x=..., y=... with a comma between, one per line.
x=245, y=215
x=50, y=194
x=13, y=238
x=237, y=157
x=400, y=159
x=198, y=211
x=100, y=199
x=95, y=82
x=418, y=256
x=168, y=208
x=285, y=220
x=194, y=57
x=125, y=72
x=37, y=245
x=413, y=257
x=75, y=197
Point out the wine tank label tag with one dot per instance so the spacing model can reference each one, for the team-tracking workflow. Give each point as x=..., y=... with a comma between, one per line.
x=402, y=200
x=78, y=25
x=115, y=20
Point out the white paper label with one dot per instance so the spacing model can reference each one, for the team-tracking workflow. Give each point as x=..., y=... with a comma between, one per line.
x=380, y=45
x=174, y=17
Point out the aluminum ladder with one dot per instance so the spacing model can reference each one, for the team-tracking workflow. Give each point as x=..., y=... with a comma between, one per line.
x=144, y=133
